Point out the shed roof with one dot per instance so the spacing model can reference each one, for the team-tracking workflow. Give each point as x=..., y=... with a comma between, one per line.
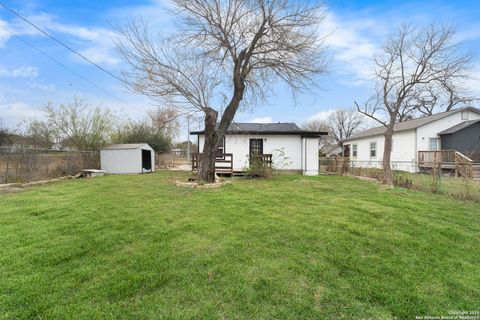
x=410, y=124
x=266, y=128
x=126, y=146
x=459, y=127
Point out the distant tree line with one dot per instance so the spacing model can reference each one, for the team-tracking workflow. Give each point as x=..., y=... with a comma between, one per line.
x=80, y=126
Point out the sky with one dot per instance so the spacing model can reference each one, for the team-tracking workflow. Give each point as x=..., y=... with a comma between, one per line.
x=35, y=69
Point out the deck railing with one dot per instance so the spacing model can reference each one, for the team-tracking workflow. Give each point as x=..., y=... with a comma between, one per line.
x=446, y=159
x=223, y=163
x=265, y=159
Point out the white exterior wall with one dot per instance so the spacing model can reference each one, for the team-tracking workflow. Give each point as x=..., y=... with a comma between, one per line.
x=406, y=144
x=121, y=161
x=124, y=160
x=310, y=156
x=431, y=130
x=286, y=150
x=403, y=151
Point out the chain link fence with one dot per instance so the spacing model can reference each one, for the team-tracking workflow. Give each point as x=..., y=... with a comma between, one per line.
x=28, y=164
x=444, y=178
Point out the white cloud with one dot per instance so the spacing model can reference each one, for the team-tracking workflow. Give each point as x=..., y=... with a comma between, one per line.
x=352, y=44
x=96, y=43
x=4, y=34
x=322, y=115
x=262, y=120
x=13, y=113
x=19, y=72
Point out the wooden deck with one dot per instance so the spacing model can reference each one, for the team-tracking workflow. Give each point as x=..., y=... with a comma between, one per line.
x=447, y=160
x=224, y=163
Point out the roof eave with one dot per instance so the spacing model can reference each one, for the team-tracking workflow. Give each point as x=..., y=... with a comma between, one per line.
x=302, y=133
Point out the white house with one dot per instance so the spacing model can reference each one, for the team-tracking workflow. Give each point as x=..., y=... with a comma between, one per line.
x=290, y=147
x=127, y=158
x=456, y=130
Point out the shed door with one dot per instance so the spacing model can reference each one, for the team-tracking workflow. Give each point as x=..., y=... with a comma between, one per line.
x=146, y=160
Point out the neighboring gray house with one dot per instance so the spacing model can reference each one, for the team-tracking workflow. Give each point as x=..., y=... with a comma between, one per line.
x=464, y=138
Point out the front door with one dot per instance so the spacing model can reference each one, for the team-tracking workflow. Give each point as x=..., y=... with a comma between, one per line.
x=256, y=147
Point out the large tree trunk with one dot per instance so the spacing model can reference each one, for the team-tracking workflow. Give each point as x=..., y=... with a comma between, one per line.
x=214, y=135
x=387, y=152
x=206, y=170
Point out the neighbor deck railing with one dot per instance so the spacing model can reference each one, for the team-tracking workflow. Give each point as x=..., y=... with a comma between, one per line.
x=446, y=159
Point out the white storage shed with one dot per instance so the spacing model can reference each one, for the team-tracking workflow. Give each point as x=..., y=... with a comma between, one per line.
x=127, y=158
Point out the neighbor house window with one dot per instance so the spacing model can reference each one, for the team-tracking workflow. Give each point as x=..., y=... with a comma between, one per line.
x=346, y=150
x=373, y=149
x=354, y=150
x=464, y=115
x=433, y=144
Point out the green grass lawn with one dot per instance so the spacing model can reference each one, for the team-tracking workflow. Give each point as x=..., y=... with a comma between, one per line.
x=328, y=247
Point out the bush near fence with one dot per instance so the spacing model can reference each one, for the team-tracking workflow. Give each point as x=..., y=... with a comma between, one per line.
x=435, y=180
x=23, y=165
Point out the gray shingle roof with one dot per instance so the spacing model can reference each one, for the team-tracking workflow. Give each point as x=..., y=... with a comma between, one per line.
x=409, y=125
x=459, y=127
x=265, y=128
x=125, y=146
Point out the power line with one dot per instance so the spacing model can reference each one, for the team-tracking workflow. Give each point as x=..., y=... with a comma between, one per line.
x=68, y=68
x=61, y=43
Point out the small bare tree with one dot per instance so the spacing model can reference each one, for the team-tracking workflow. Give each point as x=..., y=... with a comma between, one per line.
x=4, y=134
x=78, y=125
x=344, y=123
x=165, y=121
x=414, y=64
x=41, y=133
x=340, y=124
x=225, y=52
x=317, y=125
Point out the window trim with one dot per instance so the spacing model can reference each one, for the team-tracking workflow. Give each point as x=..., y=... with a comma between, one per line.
x=437, y=143
x=354, y=148
x=375, y=149
x=222, y=157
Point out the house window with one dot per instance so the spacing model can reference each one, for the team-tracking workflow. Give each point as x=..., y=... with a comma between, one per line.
x=373, y=149
x=433, y=144
x=464, y=115
x=221, y=149
x=346, y=150
x=354, y=150
x=256, y=146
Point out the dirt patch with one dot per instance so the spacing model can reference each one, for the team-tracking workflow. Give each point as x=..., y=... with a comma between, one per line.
x=195, y=184
x=17, y=187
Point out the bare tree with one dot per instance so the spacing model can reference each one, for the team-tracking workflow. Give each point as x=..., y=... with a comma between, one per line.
x=414, y=64
x=165, y=121
x=78, y=125
x=4, y=134
x=317, y=125
x=344, y=123
x=340, y=124
x=226, y=54
x=41, y=133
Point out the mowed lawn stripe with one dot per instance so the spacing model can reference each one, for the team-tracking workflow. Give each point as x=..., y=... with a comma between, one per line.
x=137, y=246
